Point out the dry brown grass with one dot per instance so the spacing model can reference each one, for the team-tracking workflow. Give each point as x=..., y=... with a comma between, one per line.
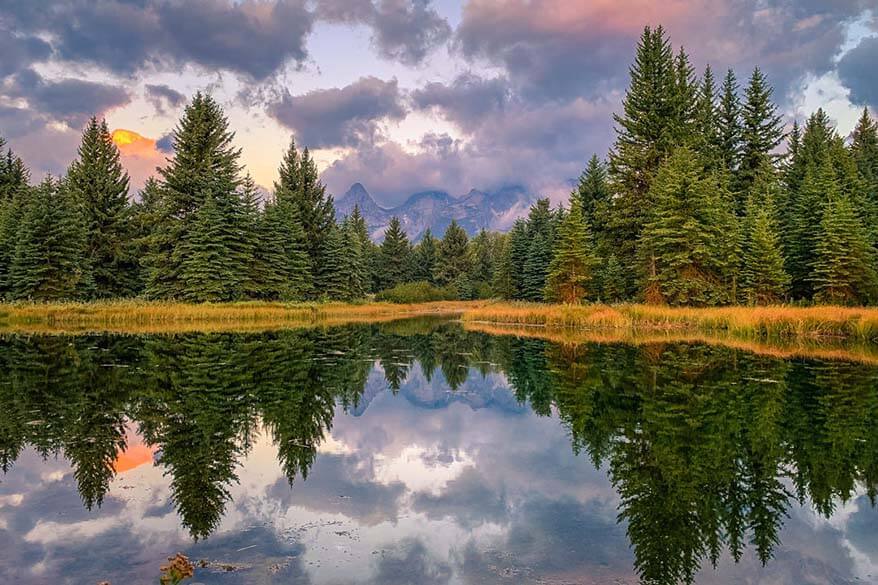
x=160, y=317
x=781, y=322
x=830, y=350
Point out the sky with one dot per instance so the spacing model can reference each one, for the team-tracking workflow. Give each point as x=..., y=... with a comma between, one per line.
x=401, y=95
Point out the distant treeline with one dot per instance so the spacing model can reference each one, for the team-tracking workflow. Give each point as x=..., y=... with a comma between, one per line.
x=695, y=205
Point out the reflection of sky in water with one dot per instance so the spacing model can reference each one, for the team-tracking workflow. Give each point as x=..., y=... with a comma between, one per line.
x=424, y=487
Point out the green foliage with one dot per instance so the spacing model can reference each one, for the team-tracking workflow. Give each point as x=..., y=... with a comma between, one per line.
x=688, y=244
x=571, y=271
x=503, y=285
x=763, y=277
x=729, y=121
x=453, y=259
x=762, y=132
x=335, y=281
x=424, y=259
x=612, y=280
x=99, y=185
x=593, y=191
x=395, y=259
x=48, y=263
x=416, y=292
x=844, y=267
x=282, y=262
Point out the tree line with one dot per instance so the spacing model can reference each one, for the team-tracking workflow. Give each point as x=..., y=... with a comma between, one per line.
x=694, y=205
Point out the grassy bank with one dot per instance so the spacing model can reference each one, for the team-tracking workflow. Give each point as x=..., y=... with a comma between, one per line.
x=160, y=317
x=859, y=325
x=781, y=322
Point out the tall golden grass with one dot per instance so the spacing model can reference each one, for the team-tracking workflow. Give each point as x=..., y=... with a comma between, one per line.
x=782, y=322
x=164, y=317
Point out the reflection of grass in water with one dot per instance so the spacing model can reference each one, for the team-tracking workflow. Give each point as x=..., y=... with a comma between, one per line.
x=160, y=317
x=831, y=350
x=779, y=322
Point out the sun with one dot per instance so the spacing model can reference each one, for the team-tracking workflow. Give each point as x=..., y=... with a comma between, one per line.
x=123, y=137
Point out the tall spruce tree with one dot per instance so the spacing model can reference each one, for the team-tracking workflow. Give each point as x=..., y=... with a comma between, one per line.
x=864, y=150
x=764, y=279
x=284, y=260
x=844, y=268
x=536, y=268
x=481, y=251
x=729, y=120
x=645, y=136
x=395, y=264
x=593, y=191
x=14, y=193
x=205, y=168
x=453, y=259
x=571, y=272
x=518, y=247
x=355, y=269
x=503, y=285
x=706, y=137
x=335, y=280
x=201, y=257
x=425, y=254
x=762, y=133
x=688, y=244
x=299, y=182
x=99, y=185
x=370, y=250
x=48, y=263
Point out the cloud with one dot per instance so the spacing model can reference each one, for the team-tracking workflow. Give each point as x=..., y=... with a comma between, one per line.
x=554, y=50
x=248, y=37
x=20, y=52
x=403, y=30
x=163, y=97
x=466, y=100
x=542, y=147
x=71, y=101
x=346, y=116
x=857, y=72
x=140, y=155
x=410, y=562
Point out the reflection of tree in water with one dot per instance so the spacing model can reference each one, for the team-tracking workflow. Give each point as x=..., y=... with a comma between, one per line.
x=699, y=441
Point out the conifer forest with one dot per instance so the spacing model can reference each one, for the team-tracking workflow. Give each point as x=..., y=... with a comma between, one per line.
x=707, y=198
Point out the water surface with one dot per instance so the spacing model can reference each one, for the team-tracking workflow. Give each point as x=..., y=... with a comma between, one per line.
x=416, y=452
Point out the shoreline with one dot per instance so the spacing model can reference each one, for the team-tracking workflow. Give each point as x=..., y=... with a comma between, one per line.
x=783, y=323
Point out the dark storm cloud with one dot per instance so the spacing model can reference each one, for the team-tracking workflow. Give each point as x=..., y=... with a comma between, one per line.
x=554, y=51
x=20, y=52
x=163, y=97
x=251, y=38
x=857, y=72
x=403, y=30
x=466, y=100
x=67, y=100
x=344, y=116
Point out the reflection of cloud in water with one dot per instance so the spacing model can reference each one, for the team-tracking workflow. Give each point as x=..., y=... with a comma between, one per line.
x=430, y=486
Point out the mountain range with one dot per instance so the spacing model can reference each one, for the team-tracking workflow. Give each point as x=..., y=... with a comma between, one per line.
x=435, y=210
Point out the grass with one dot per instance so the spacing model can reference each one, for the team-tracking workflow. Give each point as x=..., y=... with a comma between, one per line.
x=164, y=317
x=777, y=322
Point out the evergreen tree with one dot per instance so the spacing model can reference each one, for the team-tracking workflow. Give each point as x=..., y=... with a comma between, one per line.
x=99, y=185
x=335, y=280
x=395, y=264
x=14, y=193
x=425, y=254
x=571, y=271
x=370, y=251
x=201, y=256
x=49, y=258
x=503, y=285
x=518, y=248
x=729, y=121
x=453, y=258
x=593, y=191
x=707, y=128
x=205, y=168
x=688, y=244
x=763, y=277
x=646, y=132
x=355, y=269
x=536, y=268
x=612, y=280
x=844, y=268
x=762, y=133
x=285, y=265
x=481, y=250
x=864, y=150
x=299, y=182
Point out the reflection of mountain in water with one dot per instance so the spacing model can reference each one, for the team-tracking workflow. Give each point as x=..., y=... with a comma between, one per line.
x=706, y=446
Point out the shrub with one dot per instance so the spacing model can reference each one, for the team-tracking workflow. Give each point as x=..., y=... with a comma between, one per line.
x=416, y=292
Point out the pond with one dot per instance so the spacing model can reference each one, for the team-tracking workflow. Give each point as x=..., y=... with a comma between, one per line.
x=418, y=452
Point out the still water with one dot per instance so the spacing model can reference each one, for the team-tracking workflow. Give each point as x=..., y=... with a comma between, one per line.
x=418, y=453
